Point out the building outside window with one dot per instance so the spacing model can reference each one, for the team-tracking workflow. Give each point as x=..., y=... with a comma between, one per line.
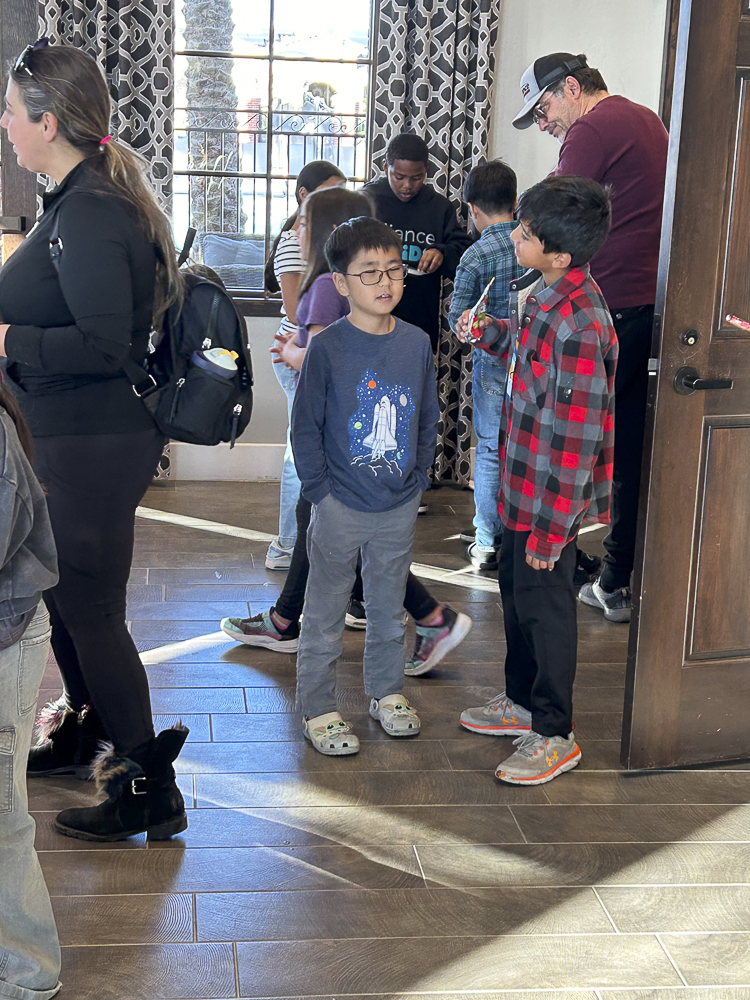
x=261, y=89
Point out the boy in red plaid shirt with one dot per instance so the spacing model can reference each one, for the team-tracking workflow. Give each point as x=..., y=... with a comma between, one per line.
x=556, y=440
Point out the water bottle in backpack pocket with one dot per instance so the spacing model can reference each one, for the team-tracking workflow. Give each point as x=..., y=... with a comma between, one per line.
x=201, y=367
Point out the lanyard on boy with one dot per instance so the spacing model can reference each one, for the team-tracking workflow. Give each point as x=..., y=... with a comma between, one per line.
x=523, y=295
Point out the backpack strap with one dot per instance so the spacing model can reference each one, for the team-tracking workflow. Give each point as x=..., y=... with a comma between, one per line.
x=142, y=382
x=213, y=315
x=55, y=243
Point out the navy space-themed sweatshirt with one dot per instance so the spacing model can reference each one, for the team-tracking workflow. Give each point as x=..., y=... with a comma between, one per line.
x=427, y=221
x=364, y=422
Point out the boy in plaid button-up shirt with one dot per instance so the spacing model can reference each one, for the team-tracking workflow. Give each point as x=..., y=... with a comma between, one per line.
x=556, y=441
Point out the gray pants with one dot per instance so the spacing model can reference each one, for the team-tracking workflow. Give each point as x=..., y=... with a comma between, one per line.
x=336, y=536
x=29, y=949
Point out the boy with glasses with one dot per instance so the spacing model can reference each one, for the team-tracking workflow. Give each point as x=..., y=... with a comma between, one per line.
x=363, y=435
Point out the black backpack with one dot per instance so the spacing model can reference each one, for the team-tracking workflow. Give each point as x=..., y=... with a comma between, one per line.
x=188, y=402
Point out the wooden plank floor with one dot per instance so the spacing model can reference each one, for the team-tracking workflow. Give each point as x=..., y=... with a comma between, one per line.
x=405, y=870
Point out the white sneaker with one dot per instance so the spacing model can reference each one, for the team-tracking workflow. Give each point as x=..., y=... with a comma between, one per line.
x=330, y=735
x=277, y=557
x=395, y=715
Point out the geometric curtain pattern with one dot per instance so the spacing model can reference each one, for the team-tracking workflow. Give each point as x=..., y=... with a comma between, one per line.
x=435, y=69
x=132, y=42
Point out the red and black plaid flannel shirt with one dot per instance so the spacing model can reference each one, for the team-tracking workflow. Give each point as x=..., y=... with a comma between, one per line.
x=557, y=426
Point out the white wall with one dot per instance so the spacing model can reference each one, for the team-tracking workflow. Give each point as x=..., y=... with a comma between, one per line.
x=623, y=39
x=259, y=453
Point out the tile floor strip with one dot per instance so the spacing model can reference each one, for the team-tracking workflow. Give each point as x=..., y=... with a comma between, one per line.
x=459, y=578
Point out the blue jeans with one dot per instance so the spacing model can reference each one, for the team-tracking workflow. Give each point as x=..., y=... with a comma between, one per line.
x=29, y=949
x=290, y=485
x=488, y=389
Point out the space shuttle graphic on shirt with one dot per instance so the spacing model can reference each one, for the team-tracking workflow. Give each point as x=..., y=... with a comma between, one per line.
x=382, y=438
x=380, y=428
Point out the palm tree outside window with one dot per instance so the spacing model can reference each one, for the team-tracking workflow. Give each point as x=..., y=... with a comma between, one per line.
x=261, y=89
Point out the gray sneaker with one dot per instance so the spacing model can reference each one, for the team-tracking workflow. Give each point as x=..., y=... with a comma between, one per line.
x=615, y=605
x=539, y=759
x=499, y=717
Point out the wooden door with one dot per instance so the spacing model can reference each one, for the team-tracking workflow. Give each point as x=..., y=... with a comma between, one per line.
x=688, y=684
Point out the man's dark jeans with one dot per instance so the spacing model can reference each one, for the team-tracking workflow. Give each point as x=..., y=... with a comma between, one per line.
x=634, y=328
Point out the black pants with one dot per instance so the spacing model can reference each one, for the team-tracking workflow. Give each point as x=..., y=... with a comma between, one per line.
x=633, y=328
x=94, y=482
x=539, y=611
x=418, y=601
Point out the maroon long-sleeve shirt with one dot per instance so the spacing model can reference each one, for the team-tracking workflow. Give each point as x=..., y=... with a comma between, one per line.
x=624, y=146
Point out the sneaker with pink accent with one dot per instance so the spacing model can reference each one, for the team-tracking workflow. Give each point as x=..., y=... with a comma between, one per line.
x=433, y=642
x=499, y=717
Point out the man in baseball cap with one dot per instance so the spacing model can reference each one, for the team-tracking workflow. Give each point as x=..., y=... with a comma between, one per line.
x=544, y=73
x=622, y=146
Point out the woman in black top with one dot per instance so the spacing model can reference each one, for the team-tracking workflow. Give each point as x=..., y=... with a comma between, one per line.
x=66, y=334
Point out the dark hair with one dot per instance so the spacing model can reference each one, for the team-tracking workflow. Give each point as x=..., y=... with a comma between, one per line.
x=67, y=83
x=325, y=210
x=9, y=403
x=567, y=215
x=407, y=146
x=348, y=239
x=310, y=177
x=591, y=80
x=492, y=187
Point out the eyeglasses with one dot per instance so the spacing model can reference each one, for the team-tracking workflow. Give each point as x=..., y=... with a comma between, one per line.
x=22, y=63
x=540, y=113
x=395, y=273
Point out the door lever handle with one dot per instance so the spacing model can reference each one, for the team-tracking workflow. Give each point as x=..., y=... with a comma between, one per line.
x=688, y=381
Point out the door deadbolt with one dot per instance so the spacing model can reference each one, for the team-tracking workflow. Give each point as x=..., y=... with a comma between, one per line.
x=690, y=338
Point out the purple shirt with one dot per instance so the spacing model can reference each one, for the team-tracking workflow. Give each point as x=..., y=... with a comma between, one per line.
x=623, y=145
x=321, y=305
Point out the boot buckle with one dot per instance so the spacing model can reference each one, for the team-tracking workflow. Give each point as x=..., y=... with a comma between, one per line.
x=138, y=789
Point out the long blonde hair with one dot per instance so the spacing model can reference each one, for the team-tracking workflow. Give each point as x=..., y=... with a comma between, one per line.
x=67, y=83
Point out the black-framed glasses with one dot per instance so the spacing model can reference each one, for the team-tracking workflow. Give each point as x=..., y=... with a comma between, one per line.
x=395, y=273
x=22, y=63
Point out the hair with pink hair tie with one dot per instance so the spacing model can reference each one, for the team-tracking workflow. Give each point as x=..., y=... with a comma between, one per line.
x=105, y=140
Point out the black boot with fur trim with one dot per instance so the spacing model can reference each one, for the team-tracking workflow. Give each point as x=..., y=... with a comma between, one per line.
x=142, y=794
x=67, y=741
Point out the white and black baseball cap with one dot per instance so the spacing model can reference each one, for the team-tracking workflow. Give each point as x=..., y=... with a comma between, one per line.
x=544, y=73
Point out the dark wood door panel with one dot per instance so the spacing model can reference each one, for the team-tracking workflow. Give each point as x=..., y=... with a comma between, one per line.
x=735, y=294
x=714, y=712
x=690, y=633
x=721, y=598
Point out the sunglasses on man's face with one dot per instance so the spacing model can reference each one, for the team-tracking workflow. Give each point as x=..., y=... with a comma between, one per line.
x=22, y=63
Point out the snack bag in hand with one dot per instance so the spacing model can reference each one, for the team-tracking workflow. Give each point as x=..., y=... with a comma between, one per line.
x=478, y=313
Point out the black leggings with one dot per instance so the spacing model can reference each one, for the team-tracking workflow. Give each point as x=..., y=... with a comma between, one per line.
x=93, y=483
x=418, y=601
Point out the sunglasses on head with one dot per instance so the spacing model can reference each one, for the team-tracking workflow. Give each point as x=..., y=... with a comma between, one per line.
x=22, y=63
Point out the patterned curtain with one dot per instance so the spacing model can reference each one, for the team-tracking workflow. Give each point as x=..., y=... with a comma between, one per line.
x=435, y=68
x=132, y=41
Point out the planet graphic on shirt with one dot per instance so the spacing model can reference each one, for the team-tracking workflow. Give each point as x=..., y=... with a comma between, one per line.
x=358, y=426
x=402, y=399
x=371, y=384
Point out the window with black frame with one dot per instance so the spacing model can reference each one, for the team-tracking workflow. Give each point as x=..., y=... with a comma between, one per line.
x=261, y=89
